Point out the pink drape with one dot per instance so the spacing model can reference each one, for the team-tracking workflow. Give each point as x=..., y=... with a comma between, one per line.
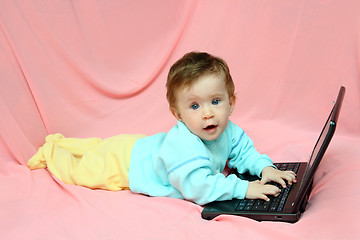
x=98, y=69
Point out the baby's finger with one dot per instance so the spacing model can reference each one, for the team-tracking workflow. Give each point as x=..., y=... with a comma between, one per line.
x=280, y=181
x=291, y=173
x=290, y=177
x=264, y=197
x=271, y=190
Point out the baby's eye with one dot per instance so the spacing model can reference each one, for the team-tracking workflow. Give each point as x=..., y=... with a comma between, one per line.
x=194, y=106
x=216, y=101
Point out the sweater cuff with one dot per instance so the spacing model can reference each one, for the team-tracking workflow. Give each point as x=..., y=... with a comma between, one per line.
x=241, y=189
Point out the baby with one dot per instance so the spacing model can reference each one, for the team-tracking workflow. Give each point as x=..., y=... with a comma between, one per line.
x=188, y=161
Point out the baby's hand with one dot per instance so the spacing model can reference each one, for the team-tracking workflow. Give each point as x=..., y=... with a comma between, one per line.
x=257, y=190
x=270, y=174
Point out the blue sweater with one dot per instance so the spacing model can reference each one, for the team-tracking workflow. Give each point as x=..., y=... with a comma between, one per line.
x=179, y=164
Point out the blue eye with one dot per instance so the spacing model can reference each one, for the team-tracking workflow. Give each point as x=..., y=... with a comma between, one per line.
x=194, y=106
x=215, y=101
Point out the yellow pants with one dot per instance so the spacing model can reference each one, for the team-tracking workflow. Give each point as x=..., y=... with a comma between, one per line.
x=89, y=162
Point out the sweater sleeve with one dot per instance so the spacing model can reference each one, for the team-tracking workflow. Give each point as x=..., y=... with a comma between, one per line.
x=189, y=169
x=243, y=155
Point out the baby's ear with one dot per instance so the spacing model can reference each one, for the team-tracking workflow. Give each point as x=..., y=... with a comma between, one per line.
x=232, y=104
x=175, y=113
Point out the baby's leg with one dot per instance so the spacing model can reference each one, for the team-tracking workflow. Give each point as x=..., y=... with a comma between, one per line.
x=92, y=163
x=106, y=166
x=73, y=146
x=76, y=146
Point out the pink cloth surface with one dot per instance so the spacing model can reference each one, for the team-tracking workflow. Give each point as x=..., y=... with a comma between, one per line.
x=98, y=69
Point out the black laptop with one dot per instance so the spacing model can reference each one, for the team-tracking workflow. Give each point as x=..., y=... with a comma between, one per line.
x=292, y=201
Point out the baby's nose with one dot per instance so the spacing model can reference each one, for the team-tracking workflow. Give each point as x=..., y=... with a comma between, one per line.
x=207, y=113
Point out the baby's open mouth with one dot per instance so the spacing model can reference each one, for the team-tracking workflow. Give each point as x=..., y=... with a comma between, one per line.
x=210, y=127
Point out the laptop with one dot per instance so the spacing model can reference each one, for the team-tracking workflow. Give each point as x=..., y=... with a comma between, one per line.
x=291, y=203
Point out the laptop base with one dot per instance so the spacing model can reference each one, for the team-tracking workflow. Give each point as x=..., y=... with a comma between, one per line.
x=283, y=217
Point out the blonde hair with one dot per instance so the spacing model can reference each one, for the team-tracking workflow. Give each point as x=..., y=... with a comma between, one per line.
x=190, y=67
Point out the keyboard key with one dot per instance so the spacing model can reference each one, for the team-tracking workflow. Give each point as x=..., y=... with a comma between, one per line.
x=273, y=208
x=261, y=206
x=248, y=207
x=241, y=205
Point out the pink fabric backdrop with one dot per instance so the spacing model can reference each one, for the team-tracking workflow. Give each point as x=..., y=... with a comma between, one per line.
x=98, y=69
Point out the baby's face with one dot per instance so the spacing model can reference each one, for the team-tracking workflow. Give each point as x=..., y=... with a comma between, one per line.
x=204, y=107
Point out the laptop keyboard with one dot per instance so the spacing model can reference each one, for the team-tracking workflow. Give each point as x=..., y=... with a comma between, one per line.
x=276, y=204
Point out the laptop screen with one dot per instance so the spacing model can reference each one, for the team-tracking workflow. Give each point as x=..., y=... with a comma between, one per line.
x=321, y=145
